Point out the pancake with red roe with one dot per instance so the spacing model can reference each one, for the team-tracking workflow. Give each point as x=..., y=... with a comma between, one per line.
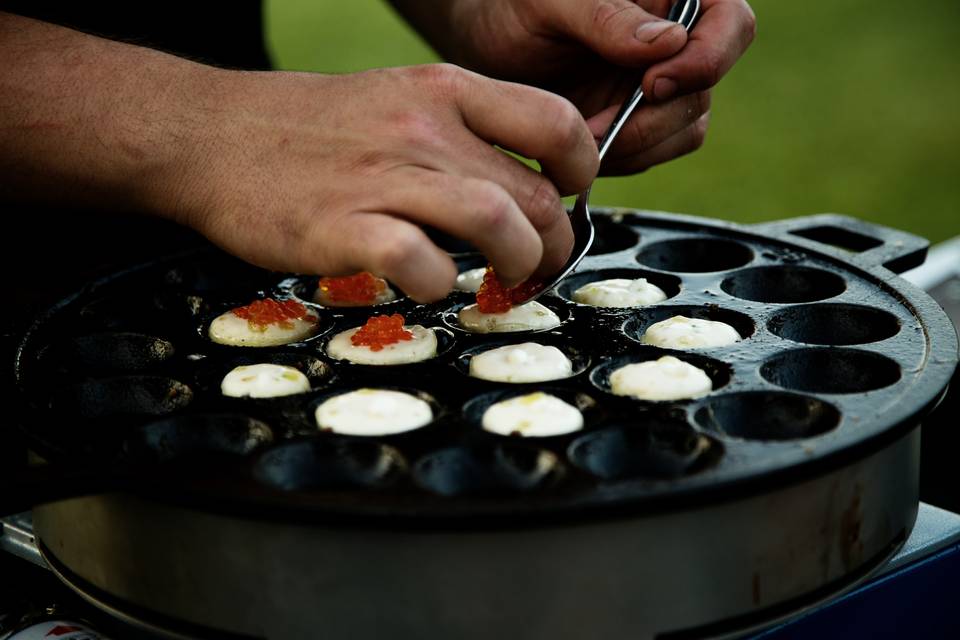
x=264, y=323
x=497, y=311
x=384, y=340
x=360, y=290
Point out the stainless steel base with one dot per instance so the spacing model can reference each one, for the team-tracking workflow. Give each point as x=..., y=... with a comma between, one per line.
x=640, y=576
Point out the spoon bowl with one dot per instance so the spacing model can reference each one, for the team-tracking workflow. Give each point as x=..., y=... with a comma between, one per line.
x=684, y=12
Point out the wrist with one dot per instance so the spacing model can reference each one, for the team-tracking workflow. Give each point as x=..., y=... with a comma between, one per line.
x=172, y=126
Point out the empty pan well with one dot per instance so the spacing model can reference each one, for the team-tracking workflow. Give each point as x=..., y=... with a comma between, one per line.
x=128, y=395
x=487, y=470
x=197, y=435
x=329, y=463
x=784, y=284
x=695, y=255
x=833, y=370
x=611, y=237
x=767, y=416
x=655, y=448
x=117, y=351
x=834, y=324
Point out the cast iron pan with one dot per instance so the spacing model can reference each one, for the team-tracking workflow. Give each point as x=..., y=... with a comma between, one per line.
x=118, y=387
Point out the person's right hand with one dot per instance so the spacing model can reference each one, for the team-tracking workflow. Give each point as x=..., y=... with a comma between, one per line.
x=332, y=175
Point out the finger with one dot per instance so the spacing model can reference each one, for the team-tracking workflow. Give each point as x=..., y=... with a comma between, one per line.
x=686, y=141
x=723, y=33
x=537, y=198
x=472, y=209
x=652, y=124
x=534, y=123
x=396, y=250
x=620, y=31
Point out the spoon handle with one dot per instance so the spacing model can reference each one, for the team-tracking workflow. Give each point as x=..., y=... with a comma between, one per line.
x=626, y=110
x=683, y=12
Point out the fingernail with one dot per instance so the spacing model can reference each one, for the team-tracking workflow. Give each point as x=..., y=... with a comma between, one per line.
x=650, y=31
x=664, y=88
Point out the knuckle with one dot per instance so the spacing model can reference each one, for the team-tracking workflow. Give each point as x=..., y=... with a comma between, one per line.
x=443, y=78
x=606, y=12
x=711, y=67
x=416, y=128
x=315, y=253
x=542, y=206
x=392, y=257
x=566, y=122
x=494, y=207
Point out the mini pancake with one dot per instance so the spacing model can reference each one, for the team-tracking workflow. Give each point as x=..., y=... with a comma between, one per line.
x=532, y=316
x=535, y=415
x=263, y=381
x=518, y=363
x=666, y=378
x=619, y=293
x=680, y=332
x=470, y=280
x=360, y=290
x=264, y=323
x=420, y=345
x=373, y=412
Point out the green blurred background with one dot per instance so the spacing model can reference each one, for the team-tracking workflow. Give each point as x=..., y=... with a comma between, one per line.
x=849, y=106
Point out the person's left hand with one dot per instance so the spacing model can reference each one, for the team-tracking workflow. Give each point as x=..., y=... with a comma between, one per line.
x=593, y=52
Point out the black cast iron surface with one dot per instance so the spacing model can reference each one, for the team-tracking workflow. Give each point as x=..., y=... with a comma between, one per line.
x=119, y=387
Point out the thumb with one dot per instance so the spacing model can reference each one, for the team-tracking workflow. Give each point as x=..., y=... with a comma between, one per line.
x=621, y=31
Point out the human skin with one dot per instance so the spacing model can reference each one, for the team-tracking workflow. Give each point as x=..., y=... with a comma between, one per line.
x=313, y=173
x=297, y=172
x=594, y=52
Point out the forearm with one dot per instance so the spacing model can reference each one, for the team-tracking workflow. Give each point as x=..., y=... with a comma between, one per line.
x=88, y=121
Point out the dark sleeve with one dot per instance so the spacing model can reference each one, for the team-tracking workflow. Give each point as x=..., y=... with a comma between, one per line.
x=222, y=34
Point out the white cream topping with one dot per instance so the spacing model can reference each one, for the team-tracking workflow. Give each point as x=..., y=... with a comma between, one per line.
x=666, y=378
x=532, y=316
x=387, y=295
x=373, y=412
x=619, y=293
x=263, y=381
x=232, y=330
x=470, y=280
x=680, y=332
x=527, y=362
x=535, y=415
x=422, y=346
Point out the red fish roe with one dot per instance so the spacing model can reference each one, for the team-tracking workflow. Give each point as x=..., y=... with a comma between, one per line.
x=259, y=314
x=362, y=288
x=381, y=331
x=493, y=297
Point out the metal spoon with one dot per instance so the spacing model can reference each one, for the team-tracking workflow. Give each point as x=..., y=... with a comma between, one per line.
x=684, y=12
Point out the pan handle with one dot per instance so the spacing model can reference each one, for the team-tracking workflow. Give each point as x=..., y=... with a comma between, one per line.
x=863, y=243
x=23, y=487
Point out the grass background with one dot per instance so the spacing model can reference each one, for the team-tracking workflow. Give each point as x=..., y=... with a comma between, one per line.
x=849, y=106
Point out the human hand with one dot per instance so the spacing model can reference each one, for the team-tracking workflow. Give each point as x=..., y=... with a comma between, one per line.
x=594, y=52
x=334, y=174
